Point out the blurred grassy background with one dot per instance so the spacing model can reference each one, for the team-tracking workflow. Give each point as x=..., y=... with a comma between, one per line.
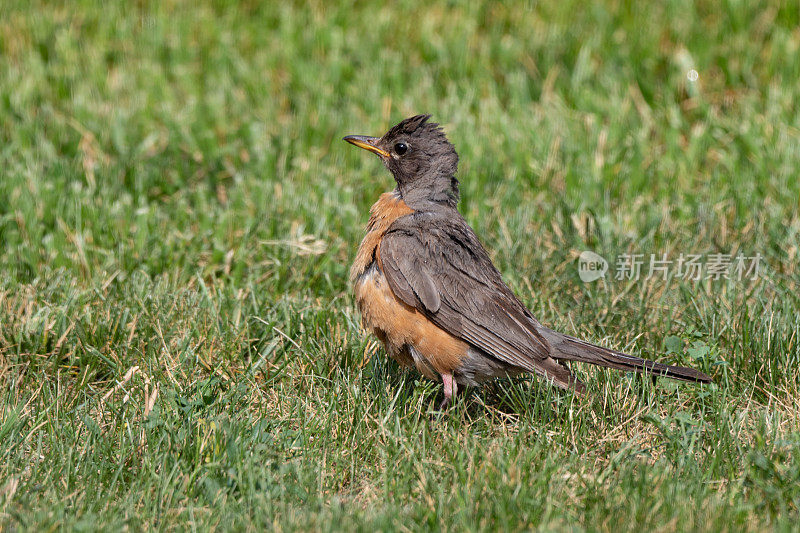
x=178, y=343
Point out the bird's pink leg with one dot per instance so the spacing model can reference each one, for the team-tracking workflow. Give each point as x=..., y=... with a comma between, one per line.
x=450, y=390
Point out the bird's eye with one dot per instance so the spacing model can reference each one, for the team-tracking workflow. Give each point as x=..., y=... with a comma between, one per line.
x=400, y=148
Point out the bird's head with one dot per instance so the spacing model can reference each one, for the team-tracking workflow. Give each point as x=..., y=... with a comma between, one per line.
x=419, y=156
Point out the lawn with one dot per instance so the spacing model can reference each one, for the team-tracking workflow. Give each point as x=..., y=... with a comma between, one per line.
x=179, y=345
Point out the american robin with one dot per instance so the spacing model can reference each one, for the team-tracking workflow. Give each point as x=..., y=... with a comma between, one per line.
x=425, y=285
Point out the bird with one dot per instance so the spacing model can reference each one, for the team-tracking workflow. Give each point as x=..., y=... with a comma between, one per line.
x=426, y=287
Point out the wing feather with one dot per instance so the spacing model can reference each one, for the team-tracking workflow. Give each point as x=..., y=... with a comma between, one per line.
x=437, y=265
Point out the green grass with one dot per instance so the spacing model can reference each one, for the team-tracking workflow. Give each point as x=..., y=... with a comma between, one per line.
x=179, y=346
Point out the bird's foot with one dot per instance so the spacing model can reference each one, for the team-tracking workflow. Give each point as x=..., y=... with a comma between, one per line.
x=450, y=390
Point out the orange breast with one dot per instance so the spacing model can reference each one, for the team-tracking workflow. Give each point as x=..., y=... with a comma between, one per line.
x=386, y=210
x=396, y=324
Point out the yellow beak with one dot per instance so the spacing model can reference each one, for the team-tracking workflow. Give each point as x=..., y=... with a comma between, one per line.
x=367, y=143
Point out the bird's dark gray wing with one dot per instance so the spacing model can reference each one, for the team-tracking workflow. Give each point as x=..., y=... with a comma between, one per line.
x=435, y=263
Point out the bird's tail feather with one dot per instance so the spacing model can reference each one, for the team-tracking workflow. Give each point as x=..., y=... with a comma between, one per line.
x=566, y=348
